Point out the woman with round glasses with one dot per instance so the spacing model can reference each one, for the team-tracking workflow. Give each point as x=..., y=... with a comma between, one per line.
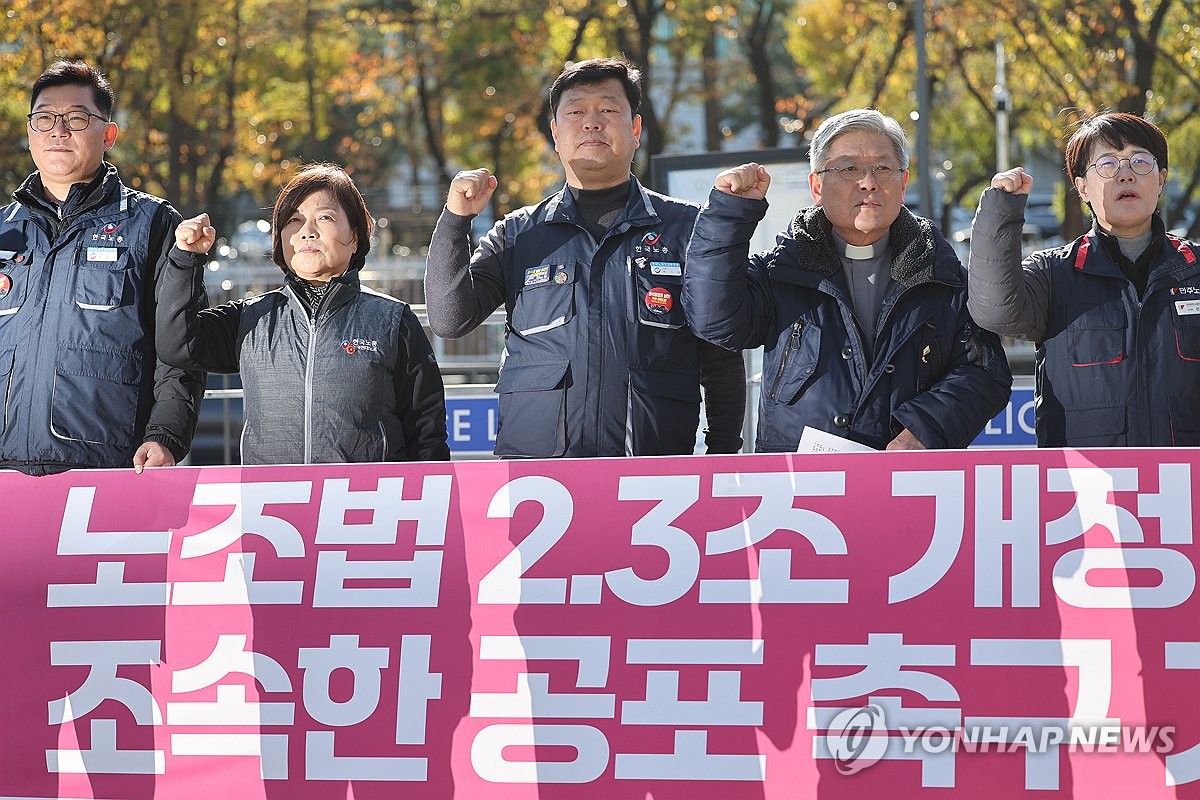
x=1115, y=315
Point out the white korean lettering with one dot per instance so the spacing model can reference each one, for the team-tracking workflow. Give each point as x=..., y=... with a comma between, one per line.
x=388, y=509
x=102, y=683
x=110, y=589
x=533, y=697
x=230, y=656
x=775, y=583
x=335, y=571
x=1093, y=660
x=75, y=538
x=489, y=762
x=248, y=516
x=1094, y=488
x=949, y=518
x=998, y=538
x=343, y=652
x=884, y=658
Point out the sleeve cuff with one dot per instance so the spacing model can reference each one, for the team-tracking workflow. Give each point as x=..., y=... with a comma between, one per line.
x=186, y=259
x=721, y=444
x=178, y=450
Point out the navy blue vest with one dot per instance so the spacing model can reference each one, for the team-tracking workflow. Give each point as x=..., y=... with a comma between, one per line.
x=76, y=351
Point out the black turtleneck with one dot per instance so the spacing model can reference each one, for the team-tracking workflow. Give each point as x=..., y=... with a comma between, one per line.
x=600, y=208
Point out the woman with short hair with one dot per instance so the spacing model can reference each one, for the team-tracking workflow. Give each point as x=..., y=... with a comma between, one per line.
x=1115, y=315
x=331, y=370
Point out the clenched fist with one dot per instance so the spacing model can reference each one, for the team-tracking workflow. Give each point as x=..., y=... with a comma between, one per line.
x=1013, y=181
x=195, y=235
x=470, y=192
x=749, y=181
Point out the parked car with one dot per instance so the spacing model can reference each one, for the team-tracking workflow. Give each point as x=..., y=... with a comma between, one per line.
x=1039, y=212
x=1032, y=239
x=252, y=239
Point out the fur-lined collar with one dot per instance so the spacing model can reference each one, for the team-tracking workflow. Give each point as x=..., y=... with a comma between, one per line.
x=811, y=247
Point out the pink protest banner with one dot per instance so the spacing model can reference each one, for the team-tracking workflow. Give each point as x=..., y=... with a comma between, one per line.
x=967, y=624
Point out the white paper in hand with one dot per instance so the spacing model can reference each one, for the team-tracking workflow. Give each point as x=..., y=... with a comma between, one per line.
x=813, y=440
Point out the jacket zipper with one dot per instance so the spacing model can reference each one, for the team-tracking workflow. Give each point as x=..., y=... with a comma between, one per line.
x=788, y=349
x=308, y=388
x=1141, y=376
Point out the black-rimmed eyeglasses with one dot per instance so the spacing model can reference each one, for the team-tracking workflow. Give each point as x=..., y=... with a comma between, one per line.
x=44, y=121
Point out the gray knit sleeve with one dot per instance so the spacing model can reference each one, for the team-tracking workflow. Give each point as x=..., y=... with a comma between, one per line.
x=462, y=288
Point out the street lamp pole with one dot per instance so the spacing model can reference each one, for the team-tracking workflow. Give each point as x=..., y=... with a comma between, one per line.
x=926, y=183
x=1003, y=100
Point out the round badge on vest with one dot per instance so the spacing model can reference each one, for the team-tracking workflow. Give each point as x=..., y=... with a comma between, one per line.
x=5, y=285
x=659, y=300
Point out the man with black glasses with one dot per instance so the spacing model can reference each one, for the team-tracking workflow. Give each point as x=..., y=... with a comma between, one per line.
x=861, y=305
x=80, y=257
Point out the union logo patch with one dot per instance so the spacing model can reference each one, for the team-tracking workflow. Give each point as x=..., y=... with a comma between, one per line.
x=535, y=276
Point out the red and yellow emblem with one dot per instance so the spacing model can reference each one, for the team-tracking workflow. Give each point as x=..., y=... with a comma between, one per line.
x=659, y=300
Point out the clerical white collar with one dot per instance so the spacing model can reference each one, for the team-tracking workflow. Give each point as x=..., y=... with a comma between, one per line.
x=856, y=252
x=866, y=252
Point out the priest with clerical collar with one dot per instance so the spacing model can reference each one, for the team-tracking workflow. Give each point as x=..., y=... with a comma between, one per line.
x=861, y=305
x=866, y=270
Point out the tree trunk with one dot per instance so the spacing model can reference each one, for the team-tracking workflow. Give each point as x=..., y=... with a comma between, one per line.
x=220, y=212
x=757, y=39
x=712, y=103
x=310, y=81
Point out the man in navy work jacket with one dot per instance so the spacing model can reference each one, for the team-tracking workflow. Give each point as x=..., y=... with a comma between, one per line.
x=80, y=258
x=599, y=359
x=861, y=305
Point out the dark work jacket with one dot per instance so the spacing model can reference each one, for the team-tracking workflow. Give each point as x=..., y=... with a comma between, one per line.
x=1114, y=369
x=357, y=383
x=599, y=358
x=82, y=385
x=930, y=370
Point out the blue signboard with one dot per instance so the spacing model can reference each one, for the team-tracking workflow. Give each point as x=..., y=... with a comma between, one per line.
x=1012, y=427
x=471, y=423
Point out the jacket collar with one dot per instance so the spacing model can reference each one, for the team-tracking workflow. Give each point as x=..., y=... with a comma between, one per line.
x=1092, y=252
x=342, y=290
x=913, y=241
x=1174, y=255
x=82, y=198
x=1112, y=247
x=638, y=209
